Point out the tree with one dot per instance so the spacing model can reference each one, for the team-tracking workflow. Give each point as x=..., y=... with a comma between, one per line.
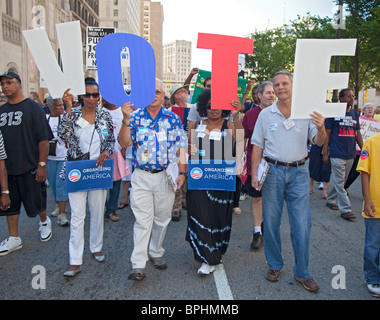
x=363, y=24
x=274, y=49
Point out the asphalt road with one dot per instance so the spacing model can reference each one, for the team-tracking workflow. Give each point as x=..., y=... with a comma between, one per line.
x=36, y=271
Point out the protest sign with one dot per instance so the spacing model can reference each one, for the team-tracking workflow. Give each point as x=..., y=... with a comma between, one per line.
x=70, y=42
x=183, y=114
x=199, y=86
x=224, y=74
x=312, y=79
x=143, y=69
x=368, y=128
x=86, y=175
x=211, y=175
x=94, y=34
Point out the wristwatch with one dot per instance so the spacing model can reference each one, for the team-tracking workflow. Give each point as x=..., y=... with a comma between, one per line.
x=42, y=163
x=183, y=173
x=5, y=192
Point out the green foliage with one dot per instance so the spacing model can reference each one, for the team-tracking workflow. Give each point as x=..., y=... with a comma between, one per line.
x=274, y=49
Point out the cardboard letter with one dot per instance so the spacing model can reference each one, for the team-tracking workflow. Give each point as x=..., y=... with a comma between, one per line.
x=70, y=41
x=225, y=57
x=312, y=78
x=143, y=69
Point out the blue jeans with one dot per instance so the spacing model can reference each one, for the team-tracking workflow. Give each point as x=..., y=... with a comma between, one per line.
x=372, y=250
x=289, y=184
x=113, y=197
x=57, y=185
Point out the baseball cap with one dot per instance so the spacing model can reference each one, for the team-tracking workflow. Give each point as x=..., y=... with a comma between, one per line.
x=10, y=75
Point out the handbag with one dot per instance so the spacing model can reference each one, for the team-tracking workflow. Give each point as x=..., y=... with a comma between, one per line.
x=120, y=168
x=53, y=142
x=85, y=156
x=53, y=147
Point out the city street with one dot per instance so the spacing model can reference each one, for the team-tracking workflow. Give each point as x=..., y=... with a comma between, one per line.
x=336, y=251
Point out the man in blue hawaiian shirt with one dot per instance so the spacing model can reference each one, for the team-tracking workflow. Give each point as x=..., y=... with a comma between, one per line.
x=158, y=140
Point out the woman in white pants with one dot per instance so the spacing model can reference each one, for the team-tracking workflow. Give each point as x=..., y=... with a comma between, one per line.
x=87, y=129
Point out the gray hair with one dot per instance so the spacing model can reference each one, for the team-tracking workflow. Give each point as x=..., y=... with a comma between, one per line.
x=262, y=85
x=50, y=101
x=160, y=82
x=367, y=105
x=284, y=72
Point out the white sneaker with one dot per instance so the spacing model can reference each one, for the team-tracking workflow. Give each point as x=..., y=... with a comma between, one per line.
x=374, y=289
x=10, y=244
x=45, y=230
x=206, y=269
x=62, y=220
x=55, y=213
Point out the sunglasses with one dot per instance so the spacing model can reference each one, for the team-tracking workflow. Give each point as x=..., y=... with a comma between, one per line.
x=95, y=95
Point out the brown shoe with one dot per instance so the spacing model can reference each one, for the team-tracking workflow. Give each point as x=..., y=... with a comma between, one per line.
x=113, y=217
x=159, y=263
x=348, y=216
x=273, y=275
x=309, y=284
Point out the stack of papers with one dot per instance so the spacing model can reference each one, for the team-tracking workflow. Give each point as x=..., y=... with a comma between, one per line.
x=262, y=171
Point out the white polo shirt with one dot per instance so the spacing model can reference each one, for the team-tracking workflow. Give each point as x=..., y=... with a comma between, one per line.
x=281, y=143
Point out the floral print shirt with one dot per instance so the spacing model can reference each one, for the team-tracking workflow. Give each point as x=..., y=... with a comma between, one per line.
x=156, y=141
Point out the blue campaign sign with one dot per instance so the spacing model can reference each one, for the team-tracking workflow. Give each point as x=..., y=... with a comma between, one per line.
x=211, y=175
x=86, y=175
x=143, y=69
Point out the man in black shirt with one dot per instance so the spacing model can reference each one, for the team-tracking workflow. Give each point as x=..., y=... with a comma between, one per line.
x=26, y=134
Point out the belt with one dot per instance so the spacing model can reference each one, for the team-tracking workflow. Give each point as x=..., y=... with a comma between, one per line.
x=152, y=171
x=287, y=164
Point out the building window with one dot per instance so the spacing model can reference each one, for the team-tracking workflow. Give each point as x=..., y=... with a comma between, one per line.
x=9, y=8
x=116, y=24
x=115, y=13
x=115, y=2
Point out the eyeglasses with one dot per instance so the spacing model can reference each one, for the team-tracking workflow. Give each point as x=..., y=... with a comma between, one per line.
x=158, y=92
x=95, y=95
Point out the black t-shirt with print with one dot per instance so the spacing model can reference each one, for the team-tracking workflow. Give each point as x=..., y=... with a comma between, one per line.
x=23, y=126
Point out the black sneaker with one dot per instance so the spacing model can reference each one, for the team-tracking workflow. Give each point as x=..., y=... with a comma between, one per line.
x=258, y=241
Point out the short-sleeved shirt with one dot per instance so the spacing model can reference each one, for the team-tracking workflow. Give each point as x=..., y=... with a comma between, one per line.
x=61, y=147
x=277, y=142
x=24, y=126
x=343, y=135
x=248, y=123
x=369, y=163
x=155, y=141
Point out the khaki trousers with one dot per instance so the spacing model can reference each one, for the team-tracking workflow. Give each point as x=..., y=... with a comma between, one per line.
x=151, y=202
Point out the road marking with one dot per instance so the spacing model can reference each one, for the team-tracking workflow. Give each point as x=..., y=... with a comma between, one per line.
x=221, y=282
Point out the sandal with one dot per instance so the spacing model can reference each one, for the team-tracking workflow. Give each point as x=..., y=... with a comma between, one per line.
x=122, y=205
x=348, y=215
x=332, y=206
x=159, y=263
x=137, y=274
